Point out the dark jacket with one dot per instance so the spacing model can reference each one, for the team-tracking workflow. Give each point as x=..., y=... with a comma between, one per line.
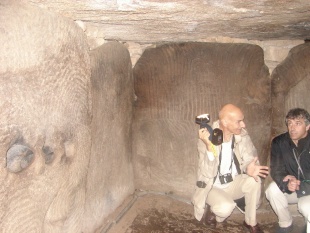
x=283, y=162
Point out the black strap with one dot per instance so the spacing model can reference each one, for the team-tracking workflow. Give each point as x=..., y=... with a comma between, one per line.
x=234, y=156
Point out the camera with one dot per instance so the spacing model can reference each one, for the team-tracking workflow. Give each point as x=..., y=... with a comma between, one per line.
x=216, y=135
x=227, y=178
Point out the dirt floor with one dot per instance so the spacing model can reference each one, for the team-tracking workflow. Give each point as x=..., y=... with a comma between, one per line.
x=147, y=212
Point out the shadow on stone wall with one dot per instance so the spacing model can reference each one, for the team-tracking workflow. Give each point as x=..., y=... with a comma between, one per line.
x=110, y=174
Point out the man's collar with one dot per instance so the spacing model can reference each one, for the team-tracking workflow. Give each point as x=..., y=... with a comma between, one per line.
x=302, y=142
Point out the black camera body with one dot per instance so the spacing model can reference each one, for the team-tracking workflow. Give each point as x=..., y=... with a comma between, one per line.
x=216, y=135
x=226, y=178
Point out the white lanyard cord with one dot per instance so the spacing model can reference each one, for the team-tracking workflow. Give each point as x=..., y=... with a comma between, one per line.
x=297, y=161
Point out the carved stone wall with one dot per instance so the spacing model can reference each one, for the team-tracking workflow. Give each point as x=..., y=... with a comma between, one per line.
x=69, y=155
x=45, y=107
x=290, y=86
x=65, y=133
x=176, y=82
x=110, y=174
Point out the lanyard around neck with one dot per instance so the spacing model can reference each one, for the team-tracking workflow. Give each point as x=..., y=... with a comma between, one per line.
x=233, y=158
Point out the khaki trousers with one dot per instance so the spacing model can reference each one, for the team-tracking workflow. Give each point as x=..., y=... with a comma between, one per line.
x=279, y=202
x=222, y=202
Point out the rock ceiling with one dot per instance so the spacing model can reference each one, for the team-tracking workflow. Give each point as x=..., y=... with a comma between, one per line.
x=187, y=20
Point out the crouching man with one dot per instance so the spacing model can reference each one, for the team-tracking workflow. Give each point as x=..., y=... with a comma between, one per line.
x=228, y=172
x=290, y=170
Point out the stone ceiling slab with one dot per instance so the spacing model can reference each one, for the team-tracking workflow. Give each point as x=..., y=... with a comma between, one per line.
x=188, y=20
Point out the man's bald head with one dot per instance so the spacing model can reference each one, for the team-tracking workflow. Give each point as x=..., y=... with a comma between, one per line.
x=231, y=119
x=229, y=110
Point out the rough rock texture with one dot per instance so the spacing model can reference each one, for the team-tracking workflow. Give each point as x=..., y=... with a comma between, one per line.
x=65, y=134
x=276, y=26
x=110, y=175
x=45, y=106
x=66, y=113
x=290, y=86
x=187, y=20
x=63, y=171
x=176, y=82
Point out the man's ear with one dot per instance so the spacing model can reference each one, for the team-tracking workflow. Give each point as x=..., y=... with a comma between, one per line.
x=224, y=123
x=308, y=127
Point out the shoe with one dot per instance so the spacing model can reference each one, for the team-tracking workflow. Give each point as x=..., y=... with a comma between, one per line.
x=210, y=219
x=285, y=229
x=240, y=204
x=252, y=229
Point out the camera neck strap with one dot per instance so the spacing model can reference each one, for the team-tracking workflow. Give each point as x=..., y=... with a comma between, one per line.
x=233, y=158
x=297, y=159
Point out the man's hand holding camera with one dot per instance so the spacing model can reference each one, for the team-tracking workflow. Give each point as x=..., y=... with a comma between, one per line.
x=255, y=170
x=204, y=136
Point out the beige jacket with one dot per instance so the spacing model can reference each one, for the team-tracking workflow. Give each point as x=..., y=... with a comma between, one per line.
x=207, y=170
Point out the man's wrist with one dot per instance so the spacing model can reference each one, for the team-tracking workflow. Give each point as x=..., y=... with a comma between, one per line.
x=212, y=149
x=285, y=187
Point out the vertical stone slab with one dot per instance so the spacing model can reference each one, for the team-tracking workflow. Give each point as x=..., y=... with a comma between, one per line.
x=290, y=86
x=110, y=174
x=176, y=82
x=45, y=105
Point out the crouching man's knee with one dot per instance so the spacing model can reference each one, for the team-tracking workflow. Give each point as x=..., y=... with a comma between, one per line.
x=223, y=210
x=272, y=191
x=304, y=206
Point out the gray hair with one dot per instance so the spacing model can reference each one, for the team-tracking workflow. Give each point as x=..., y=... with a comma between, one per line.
x=297, y=113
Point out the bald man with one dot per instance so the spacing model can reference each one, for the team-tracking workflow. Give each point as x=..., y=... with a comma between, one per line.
x=228, y=172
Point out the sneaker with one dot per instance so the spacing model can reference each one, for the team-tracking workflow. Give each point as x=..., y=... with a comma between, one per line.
x=252, y=229
x=285, y=229
x=240, y=204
